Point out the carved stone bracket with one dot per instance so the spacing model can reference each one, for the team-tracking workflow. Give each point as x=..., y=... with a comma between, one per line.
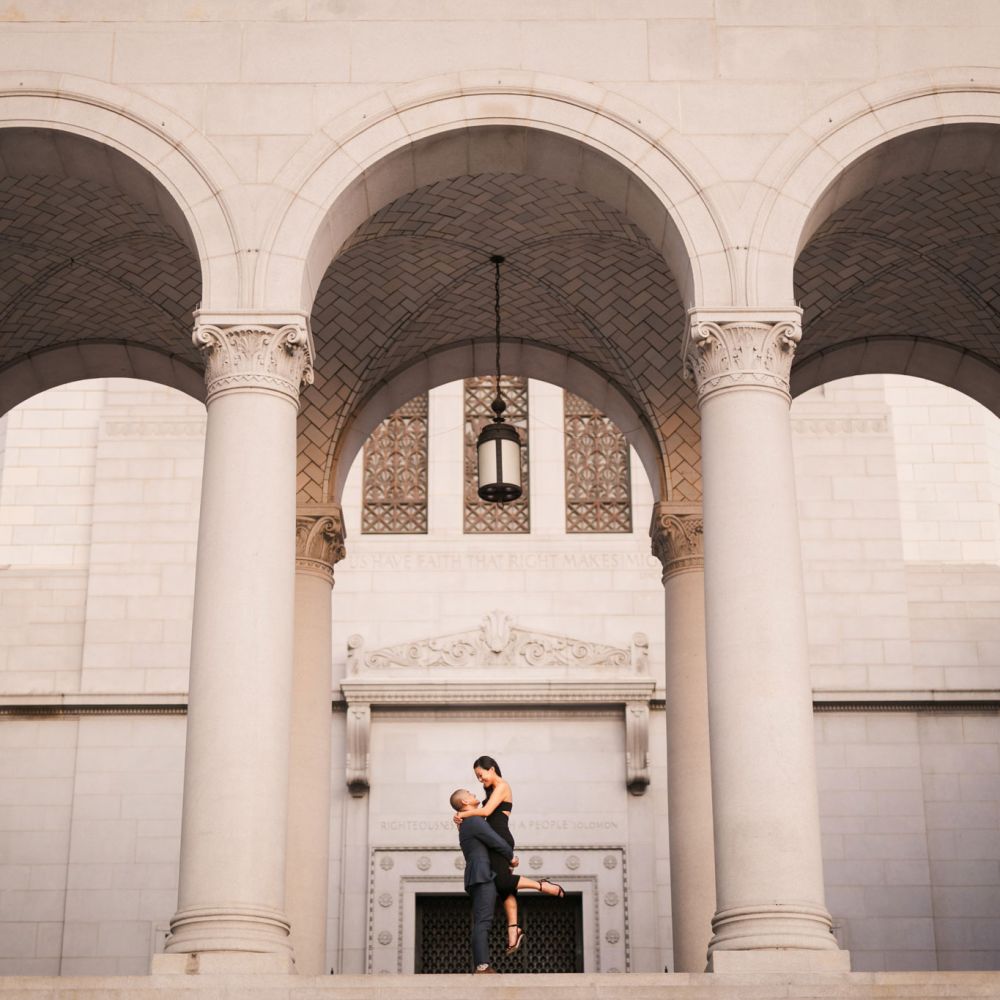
x=320, y=540
x=359, y=727
x=255, y=354
x=741, y=349
x=637, y=746
x=677, y=536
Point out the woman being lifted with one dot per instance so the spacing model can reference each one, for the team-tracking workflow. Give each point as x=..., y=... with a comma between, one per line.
x=496, y=809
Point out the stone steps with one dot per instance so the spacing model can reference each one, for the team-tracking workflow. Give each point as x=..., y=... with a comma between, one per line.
x=639, y=986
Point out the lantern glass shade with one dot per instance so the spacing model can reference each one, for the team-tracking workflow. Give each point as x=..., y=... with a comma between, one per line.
x=499, y=449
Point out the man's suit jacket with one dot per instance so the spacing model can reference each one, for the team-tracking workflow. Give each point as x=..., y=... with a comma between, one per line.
x=477, y=839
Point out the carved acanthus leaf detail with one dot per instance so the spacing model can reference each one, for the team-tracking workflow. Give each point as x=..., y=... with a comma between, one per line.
x=319, y=540
x=255, y=357
x=677, y=535
x=743, y=354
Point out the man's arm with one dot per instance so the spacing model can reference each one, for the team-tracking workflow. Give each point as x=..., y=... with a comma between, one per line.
x=481, y=830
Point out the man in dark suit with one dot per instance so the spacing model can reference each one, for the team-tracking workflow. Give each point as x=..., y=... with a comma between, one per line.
x=477, y=839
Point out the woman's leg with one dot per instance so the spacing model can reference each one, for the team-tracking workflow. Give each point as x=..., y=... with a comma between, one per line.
x=545, y=887
x=510, y=908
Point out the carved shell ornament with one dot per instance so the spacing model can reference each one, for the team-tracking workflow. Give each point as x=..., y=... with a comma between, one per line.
x=496, y=631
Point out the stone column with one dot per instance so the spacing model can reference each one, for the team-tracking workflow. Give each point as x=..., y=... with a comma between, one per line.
x=231, y=896
x=676, y=534
x=770, y=913
x=319, y=545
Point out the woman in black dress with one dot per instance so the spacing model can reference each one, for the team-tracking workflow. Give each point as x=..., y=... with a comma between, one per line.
x=496, y=809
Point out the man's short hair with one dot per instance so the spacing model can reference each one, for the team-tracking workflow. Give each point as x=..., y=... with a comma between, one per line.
x=456, y=798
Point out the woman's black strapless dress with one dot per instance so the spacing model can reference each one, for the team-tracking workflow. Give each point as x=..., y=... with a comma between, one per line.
x=505, y=880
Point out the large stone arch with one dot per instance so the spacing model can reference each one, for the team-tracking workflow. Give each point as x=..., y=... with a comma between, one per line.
x=800, y=183
x=170, y=149
x=348, y=171
x=469, y=360
x=142, y=238
x=54, y=366
x=883, y=228
x=613, y=157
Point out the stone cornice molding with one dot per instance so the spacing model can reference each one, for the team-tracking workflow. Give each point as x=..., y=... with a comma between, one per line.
x=496, y=691
x=741, y=349
x=255, y=353
x=320, y=540
x=677, y=535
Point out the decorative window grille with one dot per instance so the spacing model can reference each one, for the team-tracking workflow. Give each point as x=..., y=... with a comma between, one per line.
x=482, y=517
x=598, y=482
x=395, y=473
x=553, y=935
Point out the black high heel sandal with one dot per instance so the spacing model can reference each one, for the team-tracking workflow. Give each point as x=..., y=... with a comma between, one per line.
x=518, y=941
x=561, y=894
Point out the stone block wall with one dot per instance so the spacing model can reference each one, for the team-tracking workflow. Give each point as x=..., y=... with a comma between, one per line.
x=911, y=837
x=91, y=838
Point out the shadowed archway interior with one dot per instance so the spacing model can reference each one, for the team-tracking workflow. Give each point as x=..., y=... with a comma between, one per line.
x=94, y=252
x=580, y=279
x=911, y=259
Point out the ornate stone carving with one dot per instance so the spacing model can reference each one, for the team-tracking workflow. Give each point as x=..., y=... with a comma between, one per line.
x=257, y=357
x=584, y=872
x=319, y=540
x=637, y=746
x=480, y=516
x=677, y=536
x=746, y=353
x=359, y=725
x=499, y=664
x=497, y=643
x=395, y=473
x=598, y=480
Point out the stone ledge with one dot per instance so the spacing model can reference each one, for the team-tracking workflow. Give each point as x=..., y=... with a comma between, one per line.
x=634, y=986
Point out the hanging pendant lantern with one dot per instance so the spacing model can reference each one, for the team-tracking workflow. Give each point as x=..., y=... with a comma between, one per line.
x=499, y=445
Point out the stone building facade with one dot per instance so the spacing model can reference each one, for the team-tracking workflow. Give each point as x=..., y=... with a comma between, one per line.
x=897, y=480
x=287, y=212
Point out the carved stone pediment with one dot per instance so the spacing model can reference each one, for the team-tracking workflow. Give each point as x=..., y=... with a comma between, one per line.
x=498, y=642
x=498, y=664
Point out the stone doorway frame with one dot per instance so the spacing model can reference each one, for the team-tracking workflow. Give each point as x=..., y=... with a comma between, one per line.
x=398, y=874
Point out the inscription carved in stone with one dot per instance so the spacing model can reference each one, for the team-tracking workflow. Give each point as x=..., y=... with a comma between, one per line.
x=598, y=482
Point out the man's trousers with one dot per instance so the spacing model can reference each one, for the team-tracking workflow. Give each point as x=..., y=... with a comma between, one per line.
x=484, y=901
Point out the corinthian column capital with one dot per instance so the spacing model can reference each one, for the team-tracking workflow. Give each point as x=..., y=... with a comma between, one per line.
x=256, y=353
x=677, y=534
x=320, y=540
x=741, y=348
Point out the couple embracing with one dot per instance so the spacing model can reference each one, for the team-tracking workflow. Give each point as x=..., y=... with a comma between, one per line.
x=488, y=846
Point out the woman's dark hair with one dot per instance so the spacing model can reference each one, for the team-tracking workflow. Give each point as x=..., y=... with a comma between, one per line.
x=486, y=763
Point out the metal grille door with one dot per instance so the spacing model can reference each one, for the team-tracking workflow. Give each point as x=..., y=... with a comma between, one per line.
x=553, y=930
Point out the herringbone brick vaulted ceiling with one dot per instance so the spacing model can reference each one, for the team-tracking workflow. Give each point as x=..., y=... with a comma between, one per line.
x=915, y=256
x=92, y=249
x=579, y=277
